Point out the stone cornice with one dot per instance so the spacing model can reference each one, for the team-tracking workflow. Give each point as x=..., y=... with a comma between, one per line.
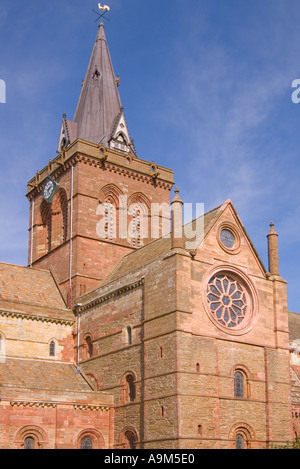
x=31, y=317
x=99, y=156
x=32, y=404
x=107, y=296
x=91, y=407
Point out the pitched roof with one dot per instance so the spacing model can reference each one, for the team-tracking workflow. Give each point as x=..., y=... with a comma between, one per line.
x=41, y=375
x=20, y=284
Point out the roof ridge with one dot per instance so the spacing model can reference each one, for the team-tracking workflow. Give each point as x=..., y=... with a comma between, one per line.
x=25, y=267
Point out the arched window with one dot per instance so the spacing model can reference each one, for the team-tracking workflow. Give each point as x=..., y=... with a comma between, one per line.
x=239, y=384
x=54, y=223
x=138, y=221
x=31, y=437
x=52, y=348
x=89, y=347
x=129, y=438
x=136, y=227
x=239, y=441
x=90, y=438
x=241, y=435
x=29, y=443
x=86, y=443
x=109, y=218
x=129, y=335
x=46, y=229
x=130, y=388
x=59, y=218
x=111, y=201
x=197, y=367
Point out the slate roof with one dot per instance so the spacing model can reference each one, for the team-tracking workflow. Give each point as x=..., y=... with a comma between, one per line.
x=31, y=291
x=41, y=375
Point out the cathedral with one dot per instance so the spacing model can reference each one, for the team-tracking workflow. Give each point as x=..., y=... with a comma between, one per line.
x=128, y=329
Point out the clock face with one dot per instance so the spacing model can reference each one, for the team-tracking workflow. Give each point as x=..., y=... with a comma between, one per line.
x=48, y=189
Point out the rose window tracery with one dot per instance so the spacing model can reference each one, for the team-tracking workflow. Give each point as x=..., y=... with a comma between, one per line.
x=228, y=300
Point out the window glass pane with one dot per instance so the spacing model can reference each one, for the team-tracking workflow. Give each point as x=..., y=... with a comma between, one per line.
x=238, y=384
x=86, y=443
x=29, y=443
x=239, y=442
x=52, y=349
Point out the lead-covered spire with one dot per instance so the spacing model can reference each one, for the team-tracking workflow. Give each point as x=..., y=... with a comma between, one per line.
x=99, y=117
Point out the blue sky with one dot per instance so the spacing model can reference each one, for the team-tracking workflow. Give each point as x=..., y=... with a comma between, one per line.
x=206, y=87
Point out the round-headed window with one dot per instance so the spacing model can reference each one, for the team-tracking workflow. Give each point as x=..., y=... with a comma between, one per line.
x=230, y=301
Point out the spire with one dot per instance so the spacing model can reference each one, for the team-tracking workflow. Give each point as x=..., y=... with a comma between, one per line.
x=99, y=117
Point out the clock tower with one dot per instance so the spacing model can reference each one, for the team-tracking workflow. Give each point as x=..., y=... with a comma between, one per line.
x=96, y=200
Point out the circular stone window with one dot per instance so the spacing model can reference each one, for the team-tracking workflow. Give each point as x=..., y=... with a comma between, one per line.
x=230, y=302
x=229, y=238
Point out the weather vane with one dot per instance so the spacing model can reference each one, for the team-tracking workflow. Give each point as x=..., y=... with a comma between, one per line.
x=103, y=9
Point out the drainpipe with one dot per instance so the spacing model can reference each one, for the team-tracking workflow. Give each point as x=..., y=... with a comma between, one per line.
x=31, y=233
x=71, y=240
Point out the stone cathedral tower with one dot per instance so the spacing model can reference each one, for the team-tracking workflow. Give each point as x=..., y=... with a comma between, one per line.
x=91, y=205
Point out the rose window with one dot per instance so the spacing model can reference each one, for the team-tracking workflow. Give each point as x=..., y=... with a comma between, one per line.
x=228, y=300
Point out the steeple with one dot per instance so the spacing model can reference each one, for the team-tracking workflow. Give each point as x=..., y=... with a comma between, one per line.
x=99, y=117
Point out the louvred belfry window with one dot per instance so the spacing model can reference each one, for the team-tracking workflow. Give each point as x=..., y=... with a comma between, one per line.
x=46, y=229
x=138, y=220
x=136, y=225
x=109, y=218
x=59, y=218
